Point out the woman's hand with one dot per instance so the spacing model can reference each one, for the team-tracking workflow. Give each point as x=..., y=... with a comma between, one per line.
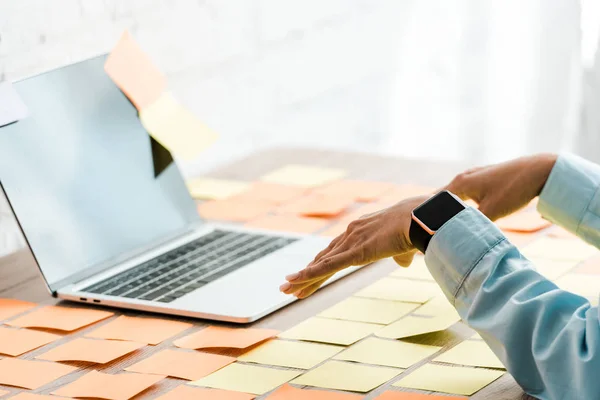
x=502, y=189
x=368, y=239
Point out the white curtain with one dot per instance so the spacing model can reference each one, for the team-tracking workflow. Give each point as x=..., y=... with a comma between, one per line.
x=487, y=80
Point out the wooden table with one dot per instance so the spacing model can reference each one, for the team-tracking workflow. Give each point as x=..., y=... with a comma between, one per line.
x=20, y=279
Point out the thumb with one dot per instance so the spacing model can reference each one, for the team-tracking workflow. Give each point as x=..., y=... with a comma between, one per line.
x=405, y=259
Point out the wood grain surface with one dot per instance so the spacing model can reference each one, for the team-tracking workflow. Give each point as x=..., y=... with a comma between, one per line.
x=20, y=279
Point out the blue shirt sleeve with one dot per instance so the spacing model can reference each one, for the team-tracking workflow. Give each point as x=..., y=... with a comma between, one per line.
x=547, y=338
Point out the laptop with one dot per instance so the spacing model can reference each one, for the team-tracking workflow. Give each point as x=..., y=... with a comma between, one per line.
x=79, y=175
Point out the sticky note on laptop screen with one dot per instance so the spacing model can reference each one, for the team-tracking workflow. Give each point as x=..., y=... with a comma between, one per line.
x=134, y=72
x=303, y=175
x=12, y=108
x=176, y=128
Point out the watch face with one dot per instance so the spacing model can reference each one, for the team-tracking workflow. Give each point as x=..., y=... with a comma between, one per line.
x=437, y=210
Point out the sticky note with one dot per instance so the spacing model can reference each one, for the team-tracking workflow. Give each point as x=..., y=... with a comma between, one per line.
x=14, y=342
x=362, y=191
x=314, y=205
x=416, y=270
x=474, y=353
x=389, y=395
x=413, y=326
x=388, y=353
x=134, y=73
x=325, y=330
x=185, y=392
x=552, y=269
x=176, y=128
x=368, y=310
x=273, y=193
x=401, y=290
x=438, y=307
x=289, y=392
x=30, y=374
x=181, y=364
x=216, y=336
x=581, y=284
x=107, y=386
x=215, y=189
x=142, y=330
x=293, y=354
x=591, y=267
x=60, y=318
x=90, y=350
x=12, y=108
x=524, y=221
x=303, y=175
x=288, y=223
x=559, y=249
x=454, y=380
x=247, y=378
x=11, y=307
x=341, y=375
x=232, y=210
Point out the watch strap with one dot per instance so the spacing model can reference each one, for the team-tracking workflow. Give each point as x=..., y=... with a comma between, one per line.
x=419, y=237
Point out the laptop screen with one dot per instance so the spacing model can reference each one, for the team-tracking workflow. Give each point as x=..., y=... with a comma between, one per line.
x=79, y=174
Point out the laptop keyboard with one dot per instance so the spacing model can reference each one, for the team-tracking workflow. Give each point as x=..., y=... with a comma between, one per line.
x=189, y=267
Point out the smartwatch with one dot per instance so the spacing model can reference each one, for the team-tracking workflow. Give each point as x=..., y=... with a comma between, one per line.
x=431, y=215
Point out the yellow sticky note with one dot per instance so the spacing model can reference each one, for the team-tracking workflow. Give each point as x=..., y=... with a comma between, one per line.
x=368, y=310
x=176, y=128
x=413, y=326
x=401, y=290
x=388, y=353
x=285, y=353
x=214, y=189
x=185, y=392
x=303, y=175
x=474, y=353
x=335, y=331
x=559, y=249
x=438, y=307
x=581, y=284
x=552, y=269
x=454, y=380
x=247, y=378
x=416, y=270
x=341, y=375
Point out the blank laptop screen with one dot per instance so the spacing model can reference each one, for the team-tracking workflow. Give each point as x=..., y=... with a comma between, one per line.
x=78, y=172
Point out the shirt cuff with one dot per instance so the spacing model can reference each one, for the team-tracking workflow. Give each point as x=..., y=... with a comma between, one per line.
x=569, y=191
x=458, y=246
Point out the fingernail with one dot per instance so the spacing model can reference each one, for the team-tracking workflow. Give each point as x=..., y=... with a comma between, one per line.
x=285, y=287
x=292, y=276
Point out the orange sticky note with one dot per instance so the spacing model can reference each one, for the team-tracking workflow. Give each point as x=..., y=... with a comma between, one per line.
x=289, y=392
x=363, y=191
x=90, y=350
x=60, y=318
x=233, y=210
x=134, y=73
x=142, y=330
x=30, y=374
x=315, y=205
x=216, y=336
x=414, y=396
x=288, y=223
x=106, y=386
x=524, y=221
x=11, y=307
x=272, y=193
x=14, y=342
x=181, y=364
x=185, y=392
x=33, y=396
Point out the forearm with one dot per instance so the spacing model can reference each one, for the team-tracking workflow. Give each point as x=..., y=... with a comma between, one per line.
x=547, y=338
